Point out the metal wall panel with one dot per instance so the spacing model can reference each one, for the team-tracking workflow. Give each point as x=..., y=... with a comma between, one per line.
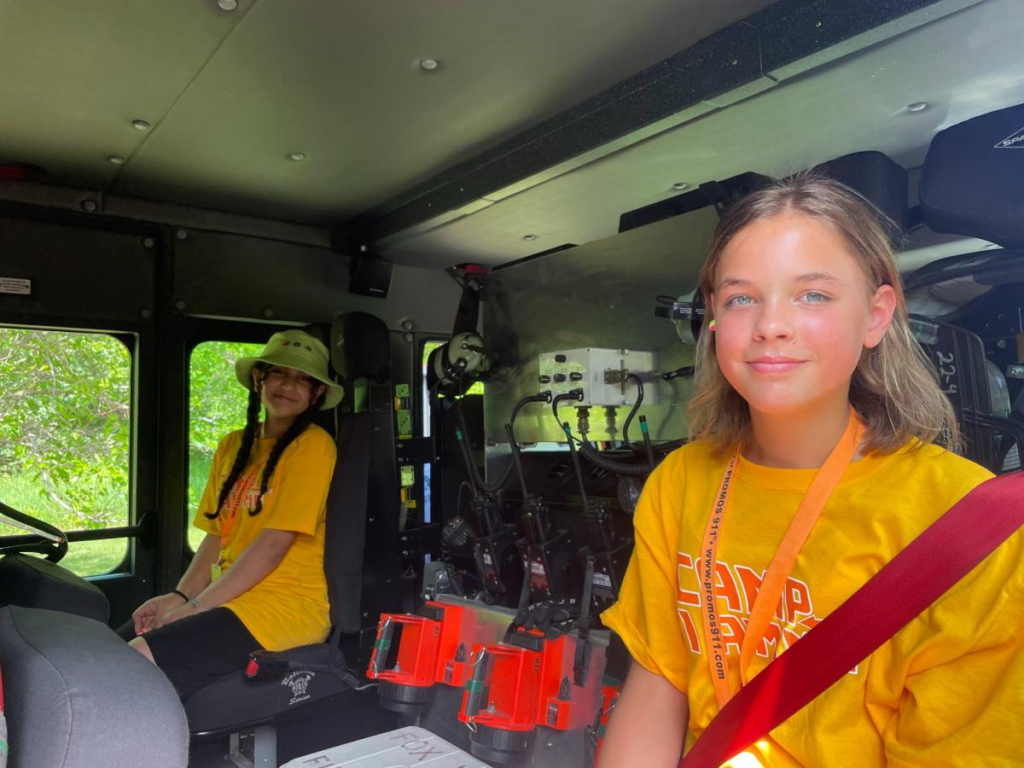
x=225, y=275
x=597, y=295
x=83, y=273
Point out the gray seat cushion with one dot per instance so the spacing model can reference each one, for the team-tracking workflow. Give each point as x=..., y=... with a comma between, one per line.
x=36, y=583
x=76, y=696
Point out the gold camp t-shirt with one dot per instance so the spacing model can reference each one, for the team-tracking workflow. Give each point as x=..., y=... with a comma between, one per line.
x=289, y=606
x=947, y=690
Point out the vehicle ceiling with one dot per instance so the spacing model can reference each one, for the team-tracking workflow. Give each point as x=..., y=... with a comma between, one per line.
x=230, y=94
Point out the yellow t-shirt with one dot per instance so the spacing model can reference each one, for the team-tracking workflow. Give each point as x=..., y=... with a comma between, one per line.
x=947, y=690
x=289, y=606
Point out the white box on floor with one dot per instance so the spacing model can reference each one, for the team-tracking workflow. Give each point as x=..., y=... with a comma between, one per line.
x=402, y=748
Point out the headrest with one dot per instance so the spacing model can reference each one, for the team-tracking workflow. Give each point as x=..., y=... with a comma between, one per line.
x=360, y=347
x=973, y=179
x=878, y=179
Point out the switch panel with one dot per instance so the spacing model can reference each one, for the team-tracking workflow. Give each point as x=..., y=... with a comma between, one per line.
x=602, y=374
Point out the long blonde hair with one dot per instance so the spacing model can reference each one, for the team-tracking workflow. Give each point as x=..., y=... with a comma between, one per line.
x=894, y=388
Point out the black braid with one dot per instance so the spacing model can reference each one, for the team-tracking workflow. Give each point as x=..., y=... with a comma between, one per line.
x=252, y=424
x=298, y=426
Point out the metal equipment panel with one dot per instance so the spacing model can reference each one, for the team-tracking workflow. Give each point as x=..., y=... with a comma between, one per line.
x=601, y=294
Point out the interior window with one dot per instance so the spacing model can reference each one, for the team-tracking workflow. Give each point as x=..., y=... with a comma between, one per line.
x=65, y=436
x=217, y=405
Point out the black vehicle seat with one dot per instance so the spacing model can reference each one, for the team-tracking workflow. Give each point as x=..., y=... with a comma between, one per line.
x=958, y=357
x=34, y=582
x=303, y=676
x=76, y=696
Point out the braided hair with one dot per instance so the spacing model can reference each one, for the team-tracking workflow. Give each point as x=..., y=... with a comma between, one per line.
x=252, y=423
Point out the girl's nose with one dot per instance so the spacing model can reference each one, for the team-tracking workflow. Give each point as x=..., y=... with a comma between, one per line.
x=773, y=322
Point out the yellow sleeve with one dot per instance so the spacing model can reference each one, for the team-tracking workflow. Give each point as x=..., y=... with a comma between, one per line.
x=645, y=616
x=208, y=502
x=301, y=482
x=963, y=698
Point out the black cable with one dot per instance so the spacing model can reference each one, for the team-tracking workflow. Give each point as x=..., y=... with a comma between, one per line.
x=576, y=465
x=633, y=410
x=572, y=394
x=647, y=440
x=516, y=460
x=480, y=484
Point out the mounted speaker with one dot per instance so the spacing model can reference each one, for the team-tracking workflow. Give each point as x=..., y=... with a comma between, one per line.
x=370, y=276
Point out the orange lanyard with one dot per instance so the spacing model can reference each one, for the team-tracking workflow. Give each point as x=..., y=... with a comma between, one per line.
x=768, y=595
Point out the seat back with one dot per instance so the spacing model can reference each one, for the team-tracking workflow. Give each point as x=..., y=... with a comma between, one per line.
x=362, y=505
x=32, y=582
x=958, y=356
x=76, y=696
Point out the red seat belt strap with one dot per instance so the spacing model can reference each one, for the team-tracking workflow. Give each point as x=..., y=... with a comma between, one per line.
x=926, y=569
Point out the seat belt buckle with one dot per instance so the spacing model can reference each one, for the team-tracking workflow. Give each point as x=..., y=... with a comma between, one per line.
x=265, y=665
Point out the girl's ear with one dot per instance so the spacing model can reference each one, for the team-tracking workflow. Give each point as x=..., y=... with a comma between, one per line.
x=319, y=391
x=883, y=306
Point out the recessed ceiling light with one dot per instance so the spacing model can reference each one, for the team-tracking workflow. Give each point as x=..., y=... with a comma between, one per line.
x=529, y=238
x=296, y=157
x=116, y=159
x=429, y=65
x=140, y=125
x=227, y=5
x=679, y=186
x=918, y=106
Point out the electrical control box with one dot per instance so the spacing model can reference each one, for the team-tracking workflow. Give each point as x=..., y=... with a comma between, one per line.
x=602, y=374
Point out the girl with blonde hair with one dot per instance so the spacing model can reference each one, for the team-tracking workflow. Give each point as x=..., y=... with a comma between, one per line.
x=816, y=419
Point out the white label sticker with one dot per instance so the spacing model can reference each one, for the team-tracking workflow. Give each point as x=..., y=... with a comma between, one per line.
x=16, y=285
x=487, y=559
x=537, y=568
x=602, y=580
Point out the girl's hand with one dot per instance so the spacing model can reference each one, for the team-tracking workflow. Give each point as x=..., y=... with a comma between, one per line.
x=188, y=609
x=150, y=614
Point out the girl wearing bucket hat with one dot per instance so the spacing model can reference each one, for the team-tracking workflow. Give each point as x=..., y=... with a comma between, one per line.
x=257, y=580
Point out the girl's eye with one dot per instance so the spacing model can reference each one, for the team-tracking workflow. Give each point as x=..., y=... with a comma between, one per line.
x=739, y=301
x=814, y=297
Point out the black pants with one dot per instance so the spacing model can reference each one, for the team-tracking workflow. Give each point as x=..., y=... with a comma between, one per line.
x=197, y=650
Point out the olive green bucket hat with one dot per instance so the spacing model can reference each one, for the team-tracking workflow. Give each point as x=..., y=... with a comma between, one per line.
x=298, y=350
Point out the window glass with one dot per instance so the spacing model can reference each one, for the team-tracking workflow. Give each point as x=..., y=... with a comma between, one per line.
x=65, y=436
x=217, y=405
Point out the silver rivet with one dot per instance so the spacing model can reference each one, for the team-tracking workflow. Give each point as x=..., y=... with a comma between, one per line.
x=429, y=65
x=145, y=313
x=180, y=305
x=679, y=186
x=227, y=5
x=140, y=125
x=89, y=206
x=148, y=242
x=363, y=249
x=529, y=238
x=408, y=338
x=296, y=157
x=917, y=106
x=407, y=325
x=116, y=160
x=268, y=312
x=181, y=234
x=817, y=25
